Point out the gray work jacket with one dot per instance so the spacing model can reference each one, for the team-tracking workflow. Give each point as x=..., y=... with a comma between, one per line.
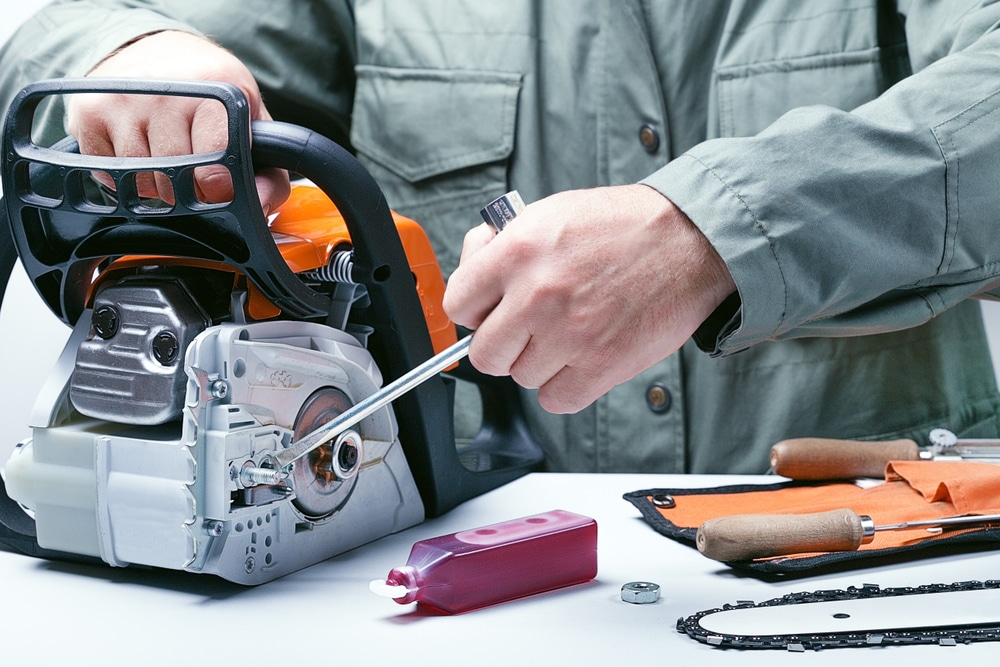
x=842, y=156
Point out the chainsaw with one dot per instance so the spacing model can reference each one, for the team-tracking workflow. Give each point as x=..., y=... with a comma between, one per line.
x=207, y=339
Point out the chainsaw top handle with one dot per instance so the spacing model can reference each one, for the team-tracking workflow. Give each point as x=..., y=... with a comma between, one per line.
x=63, y=236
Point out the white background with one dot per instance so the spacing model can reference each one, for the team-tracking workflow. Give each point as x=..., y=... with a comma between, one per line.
x=31, y=337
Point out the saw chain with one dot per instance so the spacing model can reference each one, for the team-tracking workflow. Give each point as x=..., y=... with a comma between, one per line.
x=931, y=633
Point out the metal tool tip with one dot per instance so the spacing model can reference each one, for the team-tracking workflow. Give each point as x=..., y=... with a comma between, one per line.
x=502, y=210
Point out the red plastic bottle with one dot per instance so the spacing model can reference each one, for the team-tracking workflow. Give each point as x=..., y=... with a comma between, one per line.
x=484, y=566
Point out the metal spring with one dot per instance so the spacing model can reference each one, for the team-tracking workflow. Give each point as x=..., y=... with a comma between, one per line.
x=338, y=270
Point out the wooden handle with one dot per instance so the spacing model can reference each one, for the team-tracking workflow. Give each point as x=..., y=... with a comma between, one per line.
x=749, y=536
x=826, y=458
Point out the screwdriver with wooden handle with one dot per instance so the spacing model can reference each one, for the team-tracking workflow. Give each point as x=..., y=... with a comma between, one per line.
x=828, y=458
x=742, y=537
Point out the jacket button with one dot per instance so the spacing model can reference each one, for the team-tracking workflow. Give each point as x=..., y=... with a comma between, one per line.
x=649, y=137
x=658, y=397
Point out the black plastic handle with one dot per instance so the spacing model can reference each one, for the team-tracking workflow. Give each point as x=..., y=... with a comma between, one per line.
x=62, y=236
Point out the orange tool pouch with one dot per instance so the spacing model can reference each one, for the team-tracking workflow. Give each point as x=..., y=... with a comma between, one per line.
x=912, y=491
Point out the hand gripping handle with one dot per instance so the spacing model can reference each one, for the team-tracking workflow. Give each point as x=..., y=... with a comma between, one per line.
x=63, y=236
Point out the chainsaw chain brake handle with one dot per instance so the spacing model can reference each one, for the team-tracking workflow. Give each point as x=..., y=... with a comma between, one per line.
x=63, y=238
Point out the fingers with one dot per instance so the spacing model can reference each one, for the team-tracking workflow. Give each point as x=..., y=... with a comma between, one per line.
x=273, y=188
x=512, y=343
x=209, y=133
x=585, y=290
x=98, y=134
x=160, y=126
x=571, y=390
x=475, y=240
x=494, y=352
x=563, y=386
x=568, y=373
x=177, y=127
x=167, y=134
x=475, y=288
x=154, y=126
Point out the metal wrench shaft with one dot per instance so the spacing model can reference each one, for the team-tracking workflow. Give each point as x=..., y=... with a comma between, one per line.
x=497, y=214
x=373, y=403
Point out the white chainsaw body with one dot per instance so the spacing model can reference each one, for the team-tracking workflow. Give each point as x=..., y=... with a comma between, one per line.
x=170, y=495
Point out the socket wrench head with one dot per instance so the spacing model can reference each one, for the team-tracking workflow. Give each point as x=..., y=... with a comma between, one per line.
x=502, y=210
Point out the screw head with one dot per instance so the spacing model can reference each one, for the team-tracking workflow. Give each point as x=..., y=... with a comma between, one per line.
x=166, y=349
x=106, y=321
x=348, y=456
x=219, y=389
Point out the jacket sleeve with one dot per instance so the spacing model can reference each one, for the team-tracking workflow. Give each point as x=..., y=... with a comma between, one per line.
x=837, y=223
x=301, y=53
x=68, y=39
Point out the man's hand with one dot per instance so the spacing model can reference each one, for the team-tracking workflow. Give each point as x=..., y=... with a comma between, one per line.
x=148, y=125
x=584, y=290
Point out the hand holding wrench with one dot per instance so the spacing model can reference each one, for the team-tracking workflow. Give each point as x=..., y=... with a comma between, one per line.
x=497, y=214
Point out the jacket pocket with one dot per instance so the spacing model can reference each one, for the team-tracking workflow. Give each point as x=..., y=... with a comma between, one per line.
x=752, y=96
x=437, y=142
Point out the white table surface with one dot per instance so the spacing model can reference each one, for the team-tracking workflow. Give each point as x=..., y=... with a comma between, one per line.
x=69, y=614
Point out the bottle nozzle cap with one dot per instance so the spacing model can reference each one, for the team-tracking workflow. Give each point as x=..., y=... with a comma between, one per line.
x=387, y=590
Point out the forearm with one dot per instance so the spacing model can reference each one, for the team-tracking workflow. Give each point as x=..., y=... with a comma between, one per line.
x=836, y=223
x=301, y=53
x=68, y=39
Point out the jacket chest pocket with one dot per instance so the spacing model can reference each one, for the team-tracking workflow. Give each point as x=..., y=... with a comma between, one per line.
x=437, y=142
x=751, y=97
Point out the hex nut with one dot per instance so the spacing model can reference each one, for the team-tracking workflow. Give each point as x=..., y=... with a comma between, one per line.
x=640, y=592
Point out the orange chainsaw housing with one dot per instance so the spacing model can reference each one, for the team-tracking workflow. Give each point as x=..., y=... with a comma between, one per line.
x=307, y=229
